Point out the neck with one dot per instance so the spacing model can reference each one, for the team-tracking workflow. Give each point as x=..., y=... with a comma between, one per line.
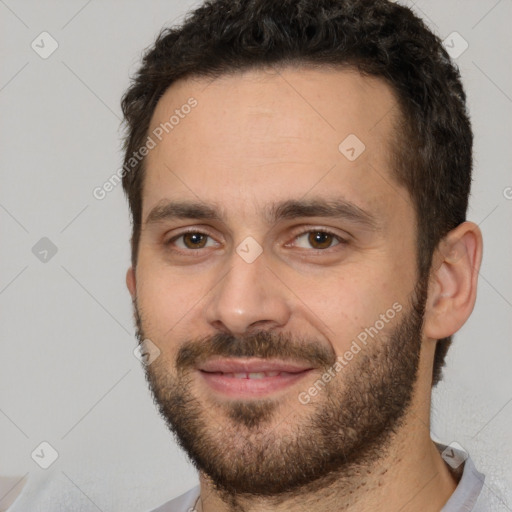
x=410, y=475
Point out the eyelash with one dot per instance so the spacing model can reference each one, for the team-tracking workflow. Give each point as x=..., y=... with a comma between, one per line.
x=339, y=239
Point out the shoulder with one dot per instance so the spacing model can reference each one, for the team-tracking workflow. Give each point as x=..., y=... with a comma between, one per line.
x=471, y=494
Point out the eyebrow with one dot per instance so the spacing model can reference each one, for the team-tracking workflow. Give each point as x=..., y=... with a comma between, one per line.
x=285, y=210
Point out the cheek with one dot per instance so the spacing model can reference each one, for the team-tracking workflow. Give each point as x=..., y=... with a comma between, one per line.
x=343, y=304
x=167, y=303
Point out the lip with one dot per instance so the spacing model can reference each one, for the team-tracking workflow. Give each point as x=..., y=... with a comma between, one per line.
x=252, y=365
x=230, y=377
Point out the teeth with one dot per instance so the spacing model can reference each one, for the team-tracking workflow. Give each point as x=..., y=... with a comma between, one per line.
x=256, y=375
x=253, y=375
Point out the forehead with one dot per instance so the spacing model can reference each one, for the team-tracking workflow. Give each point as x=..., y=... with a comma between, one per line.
x=274, y=134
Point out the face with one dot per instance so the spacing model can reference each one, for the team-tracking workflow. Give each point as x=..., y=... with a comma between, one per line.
x=277, y=276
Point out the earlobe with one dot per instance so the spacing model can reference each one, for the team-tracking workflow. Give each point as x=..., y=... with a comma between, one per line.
x=453, y=281
x=130, y=281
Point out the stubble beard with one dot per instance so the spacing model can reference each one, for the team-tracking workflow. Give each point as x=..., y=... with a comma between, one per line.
x=260, y=447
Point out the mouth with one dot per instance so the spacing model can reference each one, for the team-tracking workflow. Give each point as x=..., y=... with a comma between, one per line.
x=246, y=378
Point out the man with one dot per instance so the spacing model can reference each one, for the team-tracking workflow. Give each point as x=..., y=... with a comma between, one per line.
x=298, y=175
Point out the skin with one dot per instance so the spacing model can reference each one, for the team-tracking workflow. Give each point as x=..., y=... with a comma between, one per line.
x=264, y=136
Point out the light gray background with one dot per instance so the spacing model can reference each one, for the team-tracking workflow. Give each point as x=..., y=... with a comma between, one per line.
x=68, y=375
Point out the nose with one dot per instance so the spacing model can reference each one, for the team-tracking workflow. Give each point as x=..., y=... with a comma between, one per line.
x=249, y=297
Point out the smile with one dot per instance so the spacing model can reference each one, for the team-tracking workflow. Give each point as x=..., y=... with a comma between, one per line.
x=236, y=378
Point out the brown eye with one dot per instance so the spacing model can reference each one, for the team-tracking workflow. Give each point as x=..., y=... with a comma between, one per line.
x=320, y=239
x=191, y=243
x=194, y=240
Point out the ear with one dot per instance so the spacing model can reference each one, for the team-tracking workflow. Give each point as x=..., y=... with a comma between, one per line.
x=130, y=282
x=453, y=281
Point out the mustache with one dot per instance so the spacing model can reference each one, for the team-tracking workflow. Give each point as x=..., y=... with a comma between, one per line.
x=262, y=344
